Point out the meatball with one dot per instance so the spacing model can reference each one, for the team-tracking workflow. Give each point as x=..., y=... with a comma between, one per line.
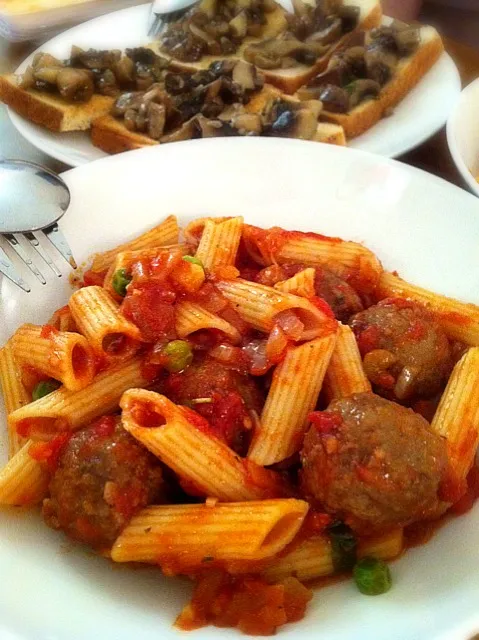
x=406, y=354
x=103, y=477
x=227, y=398
x=373, y=463
x=341, y=297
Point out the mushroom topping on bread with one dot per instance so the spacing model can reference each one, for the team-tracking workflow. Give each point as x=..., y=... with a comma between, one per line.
x=215, y=27
x=359, y=72
x=87, y=72
x=311, y=30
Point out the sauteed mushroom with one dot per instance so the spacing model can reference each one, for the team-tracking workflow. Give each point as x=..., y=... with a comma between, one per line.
x=361, y=89
x=334, y=98
x=75, y=85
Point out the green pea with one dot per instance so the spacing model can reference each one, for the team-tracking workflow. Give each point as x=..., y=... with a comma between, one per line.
x=44, y=388
x=121, y=279
x=372, y=576
x=179, y=355
x=193, y=260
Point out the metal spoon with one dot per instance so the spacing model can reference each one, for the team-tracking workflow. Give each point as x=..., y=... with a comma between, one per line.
x=32, y=198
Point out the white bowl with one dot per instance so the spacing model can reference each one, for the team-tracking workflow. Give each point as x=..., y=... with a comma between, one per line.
x=424, y=227
x=463, y=135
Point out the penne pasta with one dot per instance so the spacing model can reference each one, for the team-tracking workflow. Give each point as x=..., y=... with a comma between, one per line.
x=457, y=416
x=15, y=395
x=345, y=374
x=182, y=440
x=63, y=320
x=69, y=410
x=163, y=234
x=194, y=229
x=292, y=396
x=259, y=305
x=458, y=319
x=219, y=243
x=301, y=284
x=267, y=246
x=388, y=546
x=313, y=558
x=62, y=355
x=191, y=317
x=23, y=481
x=186, y=538
x=126, y=259
x=99, y=319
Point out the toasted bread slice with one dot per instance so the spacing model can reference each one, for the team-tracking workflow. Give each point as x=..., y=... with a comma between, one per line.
x=50, y=110
x=407, y=75
x=289, y=80
x=111, y=135
x=275, y=24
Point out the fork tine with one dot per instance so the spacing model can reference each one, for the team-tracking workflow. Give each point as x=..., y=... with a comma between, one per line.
x=8, y=270
x=33, y=240
x=21, y=253
x=60, y=243
x=154, y=29
x=162, y=21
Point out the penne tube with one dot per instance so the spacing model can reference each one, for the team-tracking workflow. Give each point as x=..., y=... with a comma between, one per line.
x=187, y=538
x=301, y=284
x=259, y=305
x=292, y=396
x=23, y=481
x=313, y=558
x=345, y=374
x=126, y=259
x=63, y=320
x=457, y=416
x=65, y=410
x=62, y=355
x=459, y=320
x=191, y=317
x=194, y=229
x=219, y=243
x=183, y=441
x=268, y=246
x=388, y=546
x=99, y=319
x=15, y=395
x=163, y=234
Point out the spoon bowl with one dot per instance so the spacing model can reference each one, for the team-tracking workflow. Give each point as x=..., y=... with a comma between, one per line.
x=31, y=197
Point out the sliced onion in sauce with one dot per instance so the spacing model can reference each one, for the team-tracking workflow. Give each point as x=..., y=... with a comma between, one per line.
x=233, y=357
x=289, y=322
x=276, y=345
x=256, y=353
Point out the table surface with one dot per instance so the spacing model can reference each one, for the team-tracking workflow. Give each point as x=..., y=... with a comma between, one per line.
x=432, y=156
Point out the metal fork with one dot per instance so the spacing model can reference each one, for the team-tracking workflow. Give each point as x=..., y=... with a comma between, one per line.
x=164, y=12
x=32, y=200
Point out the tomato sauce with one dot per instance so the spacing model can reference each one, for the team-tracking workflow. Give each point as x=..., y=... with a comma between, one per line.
x=93, y=278
x=247, y=602
x=144, y=414
x=49, y=452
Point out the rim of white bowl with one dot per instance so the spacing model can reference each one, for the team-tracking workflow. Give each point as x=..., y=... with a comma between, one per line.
x=451, y=138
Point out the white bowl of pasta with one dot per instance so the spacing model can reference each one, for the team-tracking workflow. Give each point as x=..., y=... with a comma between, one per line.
x=179, y=344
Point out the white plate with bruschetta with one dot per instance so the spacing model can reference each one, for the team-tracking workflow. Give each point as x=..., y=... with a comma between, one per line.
x=422, y=112
x=51, y=589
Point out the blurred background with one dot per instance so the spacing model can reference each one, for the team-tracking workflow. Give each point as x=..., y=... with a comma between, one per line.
x=457, y=19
